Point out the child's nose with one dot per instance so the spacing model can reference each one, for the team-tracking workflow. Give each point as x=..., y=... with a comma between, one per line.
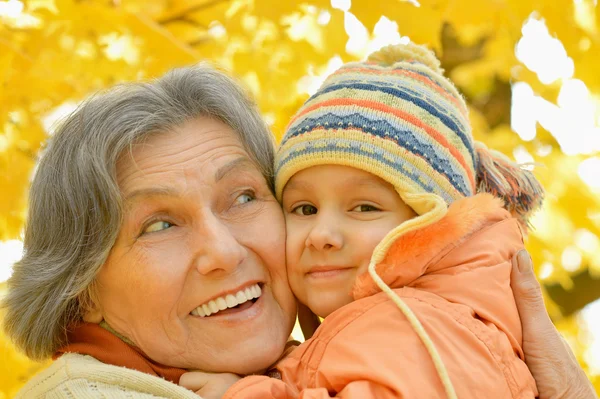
x=325, y=235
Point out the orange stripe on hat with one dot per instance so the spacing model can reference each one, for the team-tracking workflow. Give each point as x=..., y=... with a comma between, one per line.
x=404, y=72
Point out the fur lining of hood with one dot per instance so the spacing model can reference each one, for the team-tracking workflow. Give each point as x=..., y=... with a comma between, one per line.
x=414, y=253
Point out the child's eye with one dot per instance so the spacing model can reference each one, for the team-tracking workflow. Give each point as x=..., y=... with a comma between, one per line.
x=157, y=226
x=304, y=210
x=245, y=198
x=365, y=208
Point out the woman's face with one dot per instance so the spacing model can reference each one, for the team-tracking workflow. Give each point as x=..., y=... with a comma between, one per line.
x=200, y=228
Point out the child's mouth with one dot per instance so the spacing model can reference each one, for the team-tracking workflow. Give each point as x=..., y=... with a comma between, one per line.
x=327, y=271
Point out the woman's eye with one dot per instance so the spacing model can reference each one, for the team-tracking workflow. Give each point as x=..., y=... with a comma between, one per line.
x=157, y=226
x=365, y=208
x=245, y=198
x=305, y=210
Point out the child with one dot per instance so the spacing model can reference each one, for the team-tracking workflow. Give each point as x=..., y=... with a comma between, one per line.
x=384, y=189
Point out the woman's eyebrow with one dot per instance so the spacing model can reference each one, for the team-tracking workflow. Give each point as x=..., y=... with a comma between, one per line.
x=222, y=172
x=233, y=166
x=151, y=192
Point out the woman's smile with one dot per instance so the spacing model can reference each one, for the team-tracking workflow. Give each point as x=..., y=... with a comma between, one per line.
x=229, y=301
x=248, y=312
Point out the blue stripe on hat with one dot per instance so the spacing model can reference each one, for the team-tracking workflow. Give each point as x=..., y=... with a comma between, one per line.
x=408, y=97
x=382, y=68
x=329, y=145
x=442, y=104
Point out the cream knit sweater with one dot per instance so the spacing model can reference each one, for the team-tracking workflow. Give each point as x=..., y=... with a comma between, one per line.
x=79, y=376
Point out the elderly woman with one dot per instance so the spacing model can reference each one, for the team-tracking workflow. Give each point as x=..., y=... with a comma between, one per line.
x=152, y=209
x=154, y=245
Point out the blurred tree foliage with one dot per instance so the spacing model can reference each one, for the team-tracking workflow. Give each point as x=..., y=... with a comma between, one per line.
x=53, y=53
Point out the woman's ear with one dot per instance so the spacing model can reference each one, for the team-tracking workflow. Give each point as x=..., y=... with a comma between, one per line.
x=90, y=307
x=93, y=316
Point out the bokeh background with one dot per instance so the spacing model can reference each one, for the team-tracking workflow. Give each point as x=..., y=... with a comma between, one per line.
x=528, y=68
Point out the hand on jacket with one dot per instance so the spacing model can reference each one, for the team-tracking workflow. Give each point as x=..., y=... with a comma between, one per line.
x=548, y=356
x=208, y=385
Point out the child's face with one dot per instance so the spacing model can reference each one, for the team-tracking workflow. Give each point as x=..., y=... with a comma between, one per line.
x=335, y=217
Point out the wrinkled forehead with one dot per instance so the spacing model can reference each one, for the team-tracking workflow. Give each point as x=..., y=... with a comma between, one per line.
x=201, y=149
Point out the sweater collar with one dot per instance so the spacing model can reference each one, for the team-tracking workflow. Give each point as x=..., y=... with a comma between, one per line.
x=104, y=345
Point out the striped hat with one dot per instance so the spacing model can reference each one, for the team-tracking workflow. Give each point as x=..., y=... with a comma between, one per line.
x=397, y=117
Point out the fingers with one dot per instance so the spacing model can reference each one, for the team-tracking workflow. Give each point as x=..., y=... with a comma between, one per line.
x=548, y=356
x=526, y=288
x=539, y=333
x=194, y=380
x=309, y=322
x=208, y=385
x=540, y=337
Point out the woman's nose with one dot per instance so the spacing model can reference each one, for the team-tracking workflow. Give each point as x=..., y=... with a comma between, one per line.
x=325, y=235
x=218, y=249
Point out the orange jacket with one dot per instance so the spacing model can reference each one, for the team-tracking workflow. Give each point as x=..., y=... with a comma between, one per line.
x=455, y=276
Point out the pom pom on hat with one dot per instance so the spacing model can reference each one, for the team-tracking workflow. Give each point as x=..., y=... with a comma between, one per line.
x=392, y=54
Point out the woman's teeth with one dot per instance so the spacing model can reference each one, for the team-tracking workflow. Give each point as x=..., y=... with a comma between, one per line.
x=228, y=301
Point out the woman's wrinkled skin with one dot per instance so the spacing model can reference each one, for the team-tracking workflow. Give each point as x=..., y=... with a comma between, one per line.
x=199, y=222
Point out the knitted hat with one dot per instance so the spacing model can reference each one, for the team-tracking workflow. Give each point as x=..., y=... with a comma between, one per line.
x=397, y=117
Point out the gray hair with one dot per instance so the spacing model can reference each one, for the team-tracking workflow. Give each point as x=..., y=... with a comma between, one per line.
x=75, y=206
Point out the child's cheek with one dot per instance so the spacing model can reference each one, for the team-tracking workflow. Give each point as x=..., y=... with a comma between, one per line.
x=367, y=239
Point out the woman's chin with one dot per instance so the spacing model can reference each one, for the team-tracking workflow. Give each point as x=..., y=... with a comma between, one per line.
x=255, y=368
x=252, y=354
x=261, y=362
x=246, y=342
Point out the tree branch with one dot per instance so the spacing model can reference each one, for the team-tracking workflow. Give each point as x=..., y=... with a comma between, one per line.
x=586, y=289
x=177, y=16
